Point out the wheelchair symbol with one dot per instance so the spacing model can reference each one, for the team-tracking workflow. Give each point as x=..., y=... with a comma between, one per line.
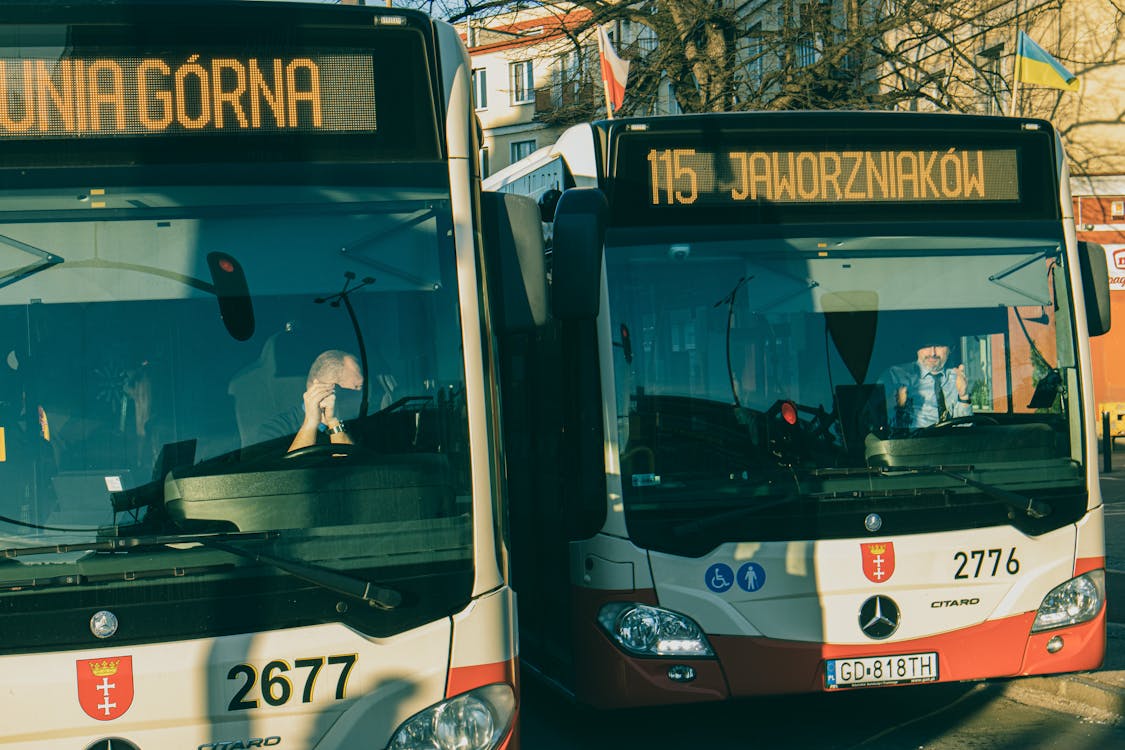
x=719, y=577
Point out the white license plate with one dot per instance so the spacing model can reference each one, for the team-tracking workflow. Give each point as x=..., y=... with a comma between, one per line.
x=880, y=670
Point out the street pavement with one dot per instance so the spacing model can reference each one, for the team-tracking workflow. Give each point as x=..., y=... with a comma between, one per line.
x=1098, y=695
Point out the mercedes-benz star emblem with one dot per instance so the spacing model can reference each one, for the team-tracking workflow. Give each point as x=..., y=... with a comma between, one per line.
x=879, y=617
x=113, y=743
x=873, y=522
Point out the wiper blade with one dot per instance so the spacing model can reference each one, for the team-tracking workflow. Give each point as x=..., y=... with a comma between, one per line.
x=1029, y=505
x=79, y=580
x=127, y=543
x=377, y=596
x=374, y=594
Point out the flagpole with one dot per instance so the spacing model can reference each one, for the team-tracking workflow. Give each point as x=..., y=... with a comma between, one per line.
x=605, y=81
x=1015, y=75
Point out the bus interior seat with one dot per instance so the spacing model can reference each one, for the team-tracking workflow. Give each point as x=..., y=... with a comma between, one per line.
x=267, y=386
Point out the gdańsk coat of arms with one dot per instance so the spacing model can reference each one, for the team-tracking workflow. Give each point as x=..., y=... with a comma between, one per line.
x=878, y=560
x=105, y=686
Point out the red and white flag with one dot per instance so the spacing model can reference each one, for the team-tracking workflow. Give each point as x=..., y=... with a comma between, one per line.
x=615, y=71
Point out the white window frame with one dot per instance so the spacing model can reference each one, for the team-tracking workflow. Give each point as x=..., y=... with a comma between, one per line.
x=521, y=88
x=480, y=88
x=529, y=145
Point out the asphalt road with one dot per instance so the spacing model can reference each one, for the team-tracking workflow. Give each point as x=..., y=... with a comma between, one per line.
x=1113, y=494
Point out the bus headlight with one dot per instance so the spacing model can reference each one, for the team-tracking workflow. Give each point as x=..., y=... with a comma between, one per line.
x=476, y=720
x=1076, y=601
x=652, y=631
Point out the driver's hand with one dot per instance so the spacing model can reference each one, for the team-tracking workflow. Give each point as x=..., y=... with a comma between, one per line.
x=962, y=382
x=900, y=397
x=315, y=398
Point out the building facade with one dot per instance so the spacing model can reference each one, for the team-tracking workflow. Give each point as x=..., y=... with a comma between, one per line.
x=535, y=71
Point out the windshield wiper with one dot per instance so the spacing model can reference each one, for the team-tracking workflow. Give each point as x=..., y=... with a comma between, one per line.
x=1029, y=505
x=1032, y=507
x=127, y=543
x=374, y=594
x=74, y=580
x=377, y=596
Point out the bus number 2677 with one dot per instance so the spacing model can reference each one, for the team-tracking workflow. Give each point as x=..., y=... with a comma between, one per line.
x=276, y=686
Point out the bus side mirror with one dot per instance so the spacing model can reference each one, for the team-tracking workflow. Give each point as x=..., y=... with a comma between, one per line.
x=576, y=257
x=513, y=242
x=1095, y=286
x=235, y=306
x=548, y=202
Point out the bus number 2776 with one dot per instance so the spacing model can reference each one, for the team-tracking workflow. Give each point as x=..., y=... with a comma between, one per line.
x=985, y=562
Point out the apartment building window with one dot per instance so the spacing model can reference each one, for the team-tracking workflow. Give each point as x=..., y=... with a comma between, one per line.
x=755, y=51
x=569, y=76
x=480, y=88
x=522, y=84
x=521, y=149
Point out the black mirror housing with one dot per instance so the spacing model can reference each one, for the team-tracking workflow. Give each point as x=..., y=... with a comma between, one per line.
x=1095, y=286
x=513, y=242
x=576, y=257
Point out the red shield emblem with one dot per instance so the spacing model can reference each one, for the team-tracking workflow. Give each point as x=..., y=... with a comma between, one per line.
x=878, y=560
x=105, y=686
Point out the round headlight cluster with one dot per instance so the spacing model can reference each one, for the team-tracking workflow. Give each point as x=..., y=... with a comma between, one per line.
x=1074, y=602
x=651, y=631
x=477, y=720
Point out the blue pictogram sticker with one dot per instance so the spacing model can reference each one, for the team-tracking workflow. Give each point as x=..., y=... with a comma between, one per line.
x=719, y=577
x=751, y=576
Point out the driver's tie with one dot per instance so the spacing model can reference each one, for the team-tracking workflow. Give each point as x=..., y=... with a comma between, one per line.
x=939, y=394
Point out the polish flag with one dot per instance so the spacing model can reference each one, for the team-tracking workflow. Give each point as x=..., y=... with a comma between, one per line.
x=615, y=71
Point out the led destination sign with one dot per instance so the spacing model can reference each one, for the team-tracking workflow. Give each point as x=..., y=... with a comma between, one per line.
x=186, y=94
x=686, y=176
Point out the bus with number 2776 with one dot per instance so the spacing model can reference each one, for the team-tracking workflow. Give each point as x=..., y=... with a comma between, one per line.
x=250, y=492
x=822, y=415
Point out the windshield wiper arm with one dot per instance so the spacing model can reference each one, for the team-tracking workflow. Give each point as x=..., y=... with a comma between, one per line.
x=1029, y=505
x=375, y=595
x=126, y=543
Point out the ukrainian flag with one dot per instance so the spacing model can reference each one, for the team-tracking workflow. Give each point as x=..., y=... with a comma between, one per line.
x=1036, y=66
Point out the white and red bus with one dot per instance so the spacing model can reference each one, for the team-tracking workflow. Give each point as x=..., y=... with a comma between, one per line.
x=718, y=495
x=197, y=200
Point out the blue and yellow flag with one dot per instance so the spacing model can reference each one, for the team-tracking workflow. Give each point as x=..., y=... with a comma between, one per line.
x=1036, y=66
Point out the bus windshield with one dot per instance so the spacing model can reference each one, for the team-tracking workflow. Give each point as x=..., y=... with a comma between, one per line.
x=155, y=355
x=789, y=384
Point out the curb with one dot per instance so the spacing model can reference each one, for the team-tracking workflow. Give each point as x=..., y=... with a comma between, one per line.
x=1099, y=696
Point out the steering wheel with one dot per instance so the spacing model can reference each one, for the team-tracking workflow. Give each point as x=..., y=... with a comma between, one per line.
x=967, y=419
x=325, y=450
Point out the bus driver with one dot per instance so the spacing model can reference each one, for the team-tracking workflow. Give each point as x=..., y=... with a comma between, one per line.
x=924, y=392
x=332, y=377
